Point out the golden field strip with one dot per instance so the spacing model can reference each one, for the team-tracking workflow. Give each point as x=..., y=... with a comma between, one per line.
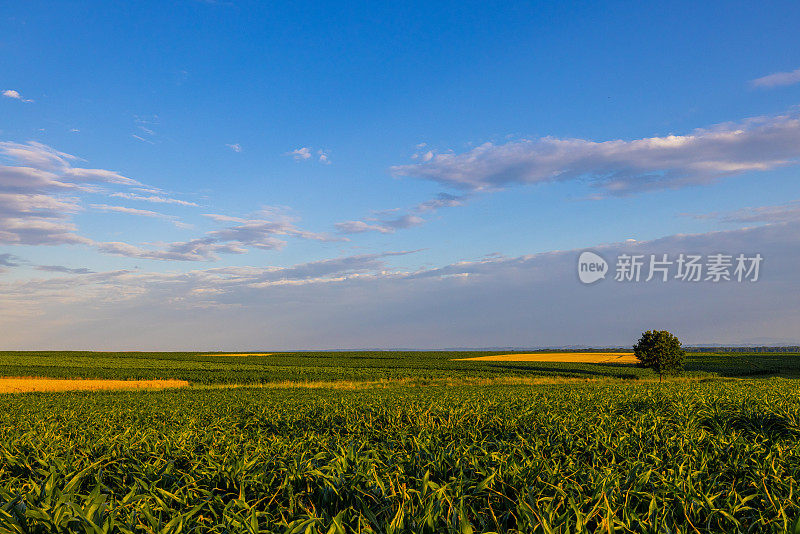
x=560, y=357
x=31, y=384
x=50, y=385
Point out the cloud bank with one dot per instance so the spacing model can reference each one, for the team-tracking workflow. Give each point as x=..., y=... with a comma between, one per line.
x=41, y=190
x=362, y=301
x=620, y=167
x=39, y=194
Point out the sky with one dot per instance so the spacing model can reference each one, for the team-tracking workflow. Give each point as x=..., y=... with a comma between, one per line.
x=242, y=175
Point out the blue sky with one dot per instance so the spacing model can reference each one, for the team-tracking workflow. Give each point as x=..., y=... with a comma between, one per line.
x=226, y=139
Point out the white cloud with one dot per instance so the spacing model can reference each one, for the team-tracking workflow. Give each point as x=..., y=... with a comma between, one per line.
x=154, y=198
x=389, y=225
x=38, y=194
x=217, y=217
x=99, y=175
x=62, y=269
x=148, y=141
x=30, y=179
x=359, y=227
x=442, y=200
x=777, y=79
x=11, y=93
x=194, y=250
x=621, y=167
x=789, y=212
x=38, y=231
x=142, y=213
x=306, y=153
x=260, y=232
x=300, y=154
x=151, y=190
x=146, y=126
x=32, y=218
x=37, y=155
x=236, y=147
x=386, y=226
x=33, y=207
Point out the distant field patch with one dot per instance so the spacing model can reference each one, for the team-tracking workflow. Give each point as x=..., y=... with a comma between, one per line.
x=29, y=384
x=242, y=354
x=560, y=357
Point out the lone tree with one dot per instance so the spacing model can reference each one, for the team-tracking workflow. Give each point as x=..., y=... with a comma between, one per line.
x=660, y=351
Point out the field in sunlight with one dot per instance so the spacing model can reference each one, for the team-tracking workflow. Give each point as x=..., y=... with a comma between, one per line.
x=395, y=441
x=241, y=354
x=30, y=384
x=418, y=366
x=583, y=455
x=561, y=357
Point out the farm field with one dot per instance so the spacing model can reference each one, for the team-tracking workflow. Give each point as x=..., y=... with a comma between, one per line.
x=561, y=357
x=29, y=384
x=422, y=367
x=438, y=446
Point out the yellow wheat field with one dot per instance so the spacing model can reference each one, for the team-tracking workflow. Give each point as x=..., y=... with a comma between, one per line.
x=28, y=384
x=565, y=357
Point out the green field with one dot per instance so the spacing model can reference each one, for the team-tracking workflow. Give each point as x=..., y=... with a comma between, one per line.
x=205, y=368
x=448, y=449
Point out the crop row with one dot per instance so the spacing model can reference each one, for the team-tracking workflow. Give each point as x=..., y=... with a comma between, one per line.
x=714, y=456
x=209, y=369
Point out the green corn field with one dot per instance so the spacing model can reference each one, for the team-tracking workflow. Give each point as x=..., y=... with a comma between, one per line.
x=708, y=454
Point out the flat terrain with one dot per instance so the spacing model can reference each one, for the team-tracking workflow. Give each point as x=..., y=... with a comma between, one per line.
x=241, y=354
x=402, y=442
x=562, y=357
x=420, y=367
x=29, y=384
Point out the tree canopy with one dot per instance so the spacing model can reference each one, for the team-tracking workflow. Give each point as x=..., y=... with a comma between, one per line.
x=661, y=351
